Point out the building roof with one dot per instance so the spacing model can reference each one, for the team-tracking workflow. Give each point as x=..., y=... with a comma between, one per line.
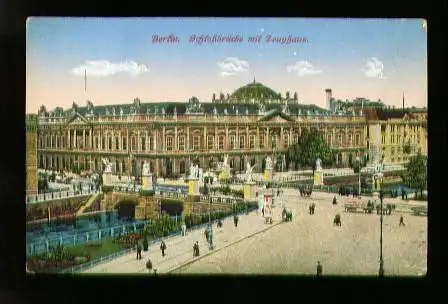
x=254, y=90
x=181, y=108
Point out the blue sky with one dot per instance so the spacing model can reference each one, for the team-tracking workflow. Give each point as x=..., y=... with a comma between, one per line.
x=128, y=64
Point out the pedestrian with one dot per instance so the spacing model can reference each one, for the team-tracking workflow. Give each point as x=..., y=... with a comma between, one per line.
x=184, y=229
x=278, y=192
x=334, y=200
x=319, y=269
x=401, y=221
x=235, y=220
x=163, y=248
x=262, y=211
x=139, y=251
x=196, y=249
x=310, y=209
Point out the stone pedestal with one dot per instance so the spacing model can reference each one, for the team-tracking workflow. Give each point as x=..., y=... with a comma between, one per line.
x=107, y=178
x=224, y=174
x=147, y=182
x=378, y=177
x=318, y=178
x=268, y=174
x=193, y=186
x=249, y=192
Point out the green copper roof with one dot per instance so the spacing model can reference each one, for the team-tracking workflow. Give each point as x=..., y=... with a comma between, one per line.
x=254, y=90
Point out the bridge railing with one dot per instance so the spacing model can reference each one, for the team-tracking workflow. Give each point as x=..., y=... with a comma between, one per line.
x=100, y=260
x=45, y=197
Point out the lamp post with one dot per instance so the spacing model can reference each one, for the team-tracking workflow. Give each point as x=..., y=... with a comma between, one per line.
x=381, y=270
x=211, y=246
x=359, y=176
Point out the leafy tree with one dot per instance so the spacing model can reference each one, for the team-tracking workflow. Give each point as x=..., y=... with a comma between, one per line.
x=287, y=95
x=407, y=147
x=311, y=146
x=416, y=173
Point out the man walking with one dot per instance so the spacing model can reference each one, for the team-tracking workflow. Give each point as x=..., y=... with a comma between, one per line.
x=235, y=220
x=319, y=269
x=139, y=251
x=163, y=248
x=401, y=221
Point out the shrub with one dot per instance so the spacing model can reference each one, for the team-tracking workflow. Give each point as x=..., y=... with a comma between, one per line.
x=147, y=192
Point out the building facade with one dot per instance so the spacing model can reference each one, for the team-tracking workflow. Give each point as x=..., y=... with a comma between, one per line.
x=31, y=126
x=171, y=135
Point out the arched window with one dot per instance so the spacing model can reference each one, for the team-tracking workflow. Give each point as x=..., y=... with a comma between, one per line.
x=232, y=139
x=117, y=144
x=125, y=147
x=221, y=142
x=181, y=142
x=242, y=143
x=143, y=144
x=210, y=142
x=110, y=143
x=169, y=143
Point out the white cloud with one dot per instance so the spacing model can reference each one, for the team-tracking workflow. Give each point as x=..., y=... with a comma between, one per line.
x=374, y=68
x=232, y=65
x=302, y=68
x=102, y=68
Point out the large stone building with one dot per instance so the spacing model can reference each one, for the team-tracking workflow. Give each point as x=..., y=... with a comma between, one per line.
x=31, y=154
x=249, y=124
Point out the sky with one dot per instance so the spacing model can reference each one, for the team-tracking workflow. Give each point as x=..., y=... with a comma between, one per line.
x=114, y=60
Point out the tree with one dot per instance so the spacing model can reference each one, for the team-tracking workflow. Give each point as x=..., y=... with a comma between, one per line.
x=287, y=95
x=407, y=147
x=416, y=173
x=214, y=97
x=221, y=96
x=311, y=145
x=295, y=96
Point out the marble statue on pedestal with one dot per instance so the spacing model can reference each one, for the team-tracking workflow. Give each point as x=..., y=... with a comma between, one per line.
x=269, y=163
x=146, y=169
x=249, y=170
x=108, y=165
x=318, y=164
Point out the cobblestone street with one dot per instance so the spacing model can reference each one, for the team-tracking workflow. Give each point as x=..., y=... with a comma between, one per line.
x=353, y=249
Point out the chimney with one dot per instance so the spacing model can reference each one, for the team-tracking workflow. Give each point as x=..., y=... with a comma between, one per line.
x=328, y=93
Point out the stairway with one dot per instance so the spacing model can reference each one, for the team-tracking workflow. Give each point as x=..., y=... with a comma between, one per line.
x=91, y=199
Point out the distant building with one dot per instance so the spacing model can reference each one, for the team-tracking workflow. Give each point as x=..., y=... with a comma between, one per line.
x=31, y=125
x=248, y=125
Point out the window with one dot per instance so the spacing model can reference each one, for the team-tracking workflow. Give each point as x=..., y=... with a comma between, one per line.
x=261, y=141
x=103, y=143
x=196, y=142
x=133, y=143
x=210, y=143
x=143, y=144
x=328, y=140
x=97, y=143
x=274, y=141
x=296, y=139
x=232, y=142
x=110, y=143
x=285, y=141
x=242, y=145
x=124, y=145
x=350, y=139
x=150, y=143
x=181, y=143
x=169, y=143
x=221, y=142
x=339, y=139
x=251, y=141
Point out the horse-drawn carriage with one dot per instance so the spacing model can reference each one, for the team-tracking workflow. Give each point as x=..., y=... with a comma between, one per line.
x=355, y=206
x=421, y=210
x=306, y=192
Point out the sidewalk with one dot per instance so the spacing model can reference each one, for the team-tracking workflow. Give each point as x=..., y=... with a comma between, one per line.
x=180, y=249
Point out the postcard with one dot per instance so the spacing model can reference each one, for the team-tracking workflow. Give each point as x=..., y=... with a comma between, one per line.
x=275, y=146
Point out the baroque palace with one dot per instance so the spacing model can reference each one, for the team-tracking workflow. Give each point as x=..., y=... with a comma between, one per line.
x=249, y=124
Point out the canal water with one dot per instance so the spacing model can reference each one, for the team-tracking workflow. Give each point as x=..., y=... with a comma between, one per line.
x=37, y=232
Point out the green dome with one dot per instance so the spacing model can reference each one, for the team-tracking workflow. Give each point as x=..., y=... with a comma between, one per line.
x=254, y=90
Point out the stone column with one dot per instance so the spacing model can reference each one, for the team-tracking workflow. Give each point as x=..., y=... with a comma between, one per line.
x=176, y=146
x=257, y=141
x=249, y=191
x=226, y=143
x=147, y=143
x=74, y=138
x=51, y=141
x=188, y=139
x=83, y=138
x=68, y=139
x=163, y=139
x=266, y=139
x=139, y=141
